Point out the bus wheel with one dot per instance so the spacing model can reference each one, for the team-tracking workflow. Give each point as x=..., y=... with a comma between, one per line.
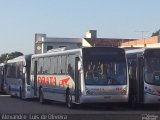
x=69, y=100
x=41, y=97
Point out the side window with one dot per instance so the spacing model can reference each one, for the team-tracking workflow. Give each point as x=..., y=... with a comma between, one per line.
x=56, y=64
x=40, y=66
x=19, y=69
x=8, y=71
x=11, y=71
x=59, y=64
x=71, y=65
x=64, y=64
x=52, y=64
x=32, y=66
x=46, y=66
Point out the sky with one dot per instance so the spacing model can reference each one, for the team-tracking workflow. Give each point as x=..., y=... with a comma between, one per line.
x=21, y=19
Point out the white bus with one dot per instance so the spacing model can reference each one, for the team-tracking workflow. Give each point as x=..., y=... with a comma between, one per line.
x=2, y=76
x=17, y=80
x=85, y=75
x=144, y=74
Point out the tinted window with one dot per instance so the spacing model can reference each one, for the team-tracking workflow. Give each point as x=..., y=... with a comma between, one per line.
x=56, y=65
x=104, y=68
x=11, y=71
x=52, y=65
x=46, y=65
x=40, y=66
x=71, y=65
x=64, y=64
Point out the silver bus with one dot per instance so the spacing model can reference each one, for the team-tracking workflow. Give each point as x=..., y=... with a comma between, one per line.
x=144, y=75
x=85, y=75
x=17, y=77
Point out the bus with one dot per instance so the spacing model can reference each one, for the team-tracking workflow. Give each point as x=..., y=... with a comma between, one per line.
x=2, y=77
x=144, y=75
x=17, y=80
x=84, y=75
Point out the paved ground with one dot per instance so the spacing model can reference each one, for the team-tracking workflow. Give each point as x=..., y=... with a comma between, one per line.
x=10, y=105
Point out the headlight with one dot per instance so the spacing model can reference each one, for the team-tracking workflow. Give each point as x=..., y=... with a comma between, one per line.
x=150, y=91
x=124, y=91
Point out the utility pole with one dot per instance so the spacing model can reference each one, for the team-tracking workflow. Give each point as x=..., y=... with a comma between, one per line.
x=142, y=35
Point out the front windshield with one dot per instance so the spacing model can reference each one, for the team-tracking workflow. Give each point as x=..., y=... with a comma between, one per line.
x=153, y=70
x=104, y=70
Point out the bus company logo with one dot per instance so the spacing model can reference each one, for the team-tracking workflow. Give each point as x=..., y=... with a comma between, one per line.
x=149, y=117
x=64, y=82
x=50, y=80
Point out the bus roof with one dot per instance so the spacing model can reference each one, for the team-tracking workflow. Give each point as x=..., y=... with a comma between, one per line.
x=71, y=51
x=57, y=52
x=139, y=50
x=20, y=58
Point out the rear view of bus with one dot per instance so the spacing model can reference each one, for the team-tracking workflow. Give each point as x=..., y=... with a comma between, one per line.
x=105, y=75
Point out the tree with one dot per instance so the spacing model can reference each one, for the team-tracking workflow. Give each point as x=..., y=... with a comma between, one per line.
x=156, y=33
x=3, y=57
x=7, y=56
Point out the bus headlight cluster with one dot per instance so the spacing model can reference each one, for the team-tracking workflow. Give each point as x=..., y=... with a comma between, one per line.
x=124, y=91
x=150, y=91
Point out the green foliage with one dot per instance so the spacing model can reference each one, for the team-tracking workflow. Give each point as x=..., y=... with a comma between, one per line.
x=7, y=56
x=156, y=33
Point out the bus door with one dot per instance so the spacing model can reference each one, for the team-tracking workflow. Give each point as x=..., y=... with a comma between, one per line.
x=140, y=79
x=77, y=79
x=35, y=78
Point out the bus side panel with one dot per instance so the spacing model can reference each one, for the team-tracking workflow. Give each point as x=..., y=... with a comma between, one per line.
x=54, y=86
x=13, y=86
